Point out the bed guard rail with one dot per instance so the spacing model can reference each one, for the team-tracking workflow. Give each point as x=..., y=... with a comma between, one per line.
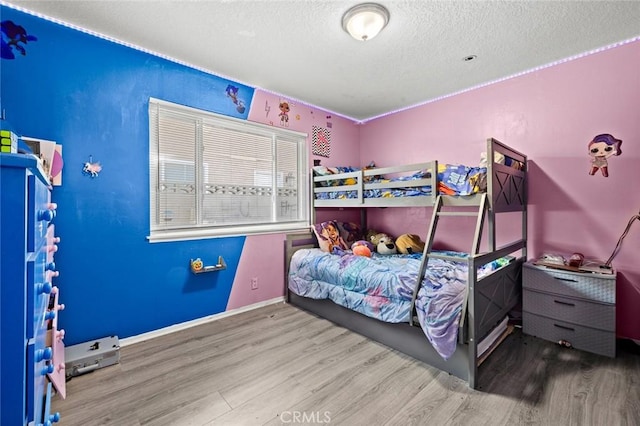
x=479, y=322
x=355, y=183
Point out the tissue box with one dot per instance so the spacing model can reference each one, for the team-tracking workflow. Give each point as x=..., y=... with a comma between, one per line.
x=8, y=141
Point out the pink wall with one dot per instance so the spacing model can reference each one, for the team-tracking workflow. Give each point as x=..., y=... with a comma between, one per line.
x=549, y=115
x=263, y=255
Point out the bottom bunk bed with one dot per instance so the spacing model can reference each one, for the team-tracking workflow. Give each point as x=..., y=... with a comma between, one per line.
x=454, y=334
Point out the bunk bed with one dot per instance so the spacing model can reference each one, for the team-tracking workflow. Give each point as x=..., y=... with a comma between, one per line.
x=487, y=295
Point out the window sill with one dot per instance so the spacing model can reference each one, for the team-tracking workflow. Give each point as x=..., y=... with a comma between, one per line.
x=203, y=234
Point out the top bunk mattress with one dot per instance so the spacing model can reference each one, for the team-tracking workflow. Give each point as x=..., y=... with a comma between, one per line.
x=501, y=174
x=340, y=183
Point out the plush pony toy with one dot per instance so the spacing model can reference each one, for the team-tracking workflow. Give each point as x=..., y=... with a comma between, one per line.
x=409, y=244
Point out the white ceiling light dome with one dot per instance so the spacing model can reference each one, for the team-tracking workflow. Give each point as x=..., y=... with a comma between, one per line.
x=364, y=21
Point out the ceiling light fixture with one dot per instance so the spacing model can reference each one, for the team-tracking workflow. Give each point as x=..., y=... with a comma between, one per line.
x=364, y=21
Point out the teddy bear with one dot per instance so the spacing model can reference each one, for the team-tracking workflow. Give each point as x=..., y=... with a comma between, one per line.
x=409, y=244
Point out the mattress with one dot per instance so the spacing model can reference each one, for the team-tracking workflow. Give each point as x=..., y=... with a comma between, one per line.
x=453, y=179
x=381, y=287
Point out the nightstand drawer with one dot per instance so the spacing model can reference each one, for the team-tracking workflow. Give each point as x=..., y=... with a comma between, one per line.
x=583, y=286
x=580, y=337
x=576, y=311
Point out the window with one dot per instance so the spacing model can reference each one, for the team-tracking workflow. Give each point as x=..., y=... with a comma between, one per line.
x=212, y=175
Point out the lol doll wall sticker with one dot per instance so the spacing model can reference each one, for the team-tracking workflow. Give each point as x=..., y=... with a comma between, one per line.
x=600, y=148
x=284, y=113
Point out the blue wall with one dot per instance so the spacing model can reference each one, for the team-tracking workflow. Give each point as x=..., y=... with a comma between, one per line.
x=91, y=96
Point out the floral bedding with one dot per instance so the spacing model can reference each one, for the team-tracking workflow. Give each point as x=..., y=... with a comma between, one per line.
x=381, y=287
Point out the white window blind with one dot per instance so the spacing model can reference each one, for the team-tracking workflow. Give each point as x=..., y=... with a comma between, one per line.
x=212, y=175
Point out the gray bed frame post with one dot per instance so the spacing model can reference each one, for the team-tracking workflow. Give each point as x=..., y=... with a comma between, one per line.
x=312, y=195
x=471, y=326
x=491, y=232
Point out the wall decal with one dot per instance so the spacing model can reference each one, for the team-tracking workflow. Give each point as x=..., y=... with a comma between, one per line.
x=267, y=108
x=284, y=113
x=329, y=123
x=92, y=169
x=600, y=148
x=232, y=92
x=321, y=141
x=12, y=37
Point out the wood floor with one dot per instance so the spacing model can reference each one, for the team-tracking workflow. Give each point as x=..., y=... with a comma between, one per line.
x=280, y=365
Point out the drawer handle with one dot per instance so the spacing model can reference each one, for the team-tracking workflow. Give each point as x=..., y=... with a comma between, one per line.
x=560, y=302
x=566, y=279
x=564, y=327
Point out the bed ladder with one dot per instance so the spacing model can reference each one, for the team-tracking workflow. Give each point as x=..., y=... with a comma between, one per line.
x=446, y=201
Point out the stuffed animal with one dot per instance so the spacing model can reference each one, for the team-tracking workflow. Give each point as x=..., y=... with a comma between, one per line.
x=367, y=244
x=370, y=234
x=409, y=244
x=375, y=237
x=362, y=248
x=371, y=165
x=386, y=245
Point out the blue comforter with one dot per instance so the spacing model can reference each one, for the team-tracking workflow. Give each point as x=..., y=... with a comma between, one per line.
x=381, y=287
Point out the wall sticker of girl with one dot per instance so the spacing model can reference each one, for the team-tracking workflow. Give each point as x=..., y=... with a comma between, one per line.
x=600, y=148
x=284, y=113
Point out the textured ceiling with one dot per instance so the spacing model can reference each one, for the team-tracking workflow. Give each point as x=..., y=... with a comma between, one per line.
x=299, y=50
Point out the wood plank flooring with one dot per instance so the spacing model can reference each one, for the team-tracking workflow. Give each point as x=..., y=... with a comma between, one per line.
x=280, y=365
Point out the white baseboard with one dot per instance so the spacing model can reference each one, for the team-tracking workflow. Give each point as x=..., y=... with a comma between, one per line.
x=188, y=324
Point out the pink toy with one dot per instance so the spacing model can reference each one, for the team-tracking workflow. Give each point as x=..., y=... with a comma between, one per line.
x=362, y=248
x=362, y=251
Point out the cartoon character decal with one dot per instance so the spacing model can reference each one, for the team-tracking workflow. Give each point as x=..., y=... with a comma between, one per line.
x=284, y=113
x=12, y=37
x=92, y=168
x=600, y=148
x=232, y=92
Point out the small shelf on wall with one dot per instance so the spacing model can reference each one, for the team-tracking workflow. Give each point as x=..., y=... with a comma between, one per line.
x=198, y=267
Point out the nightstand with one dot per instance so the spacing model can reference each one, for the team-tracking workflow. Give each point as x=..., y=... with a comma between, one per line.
x=574, y=307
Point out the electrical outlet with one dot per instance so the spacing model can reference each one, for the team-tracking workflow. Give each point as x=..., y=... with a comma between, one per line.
x=254, y=283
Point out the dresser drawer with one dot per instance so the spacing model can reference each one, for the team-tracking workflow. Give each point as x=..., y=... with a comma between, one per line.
x=576, y=311
x=580, y=337
x=40, y=212
x=583, y=286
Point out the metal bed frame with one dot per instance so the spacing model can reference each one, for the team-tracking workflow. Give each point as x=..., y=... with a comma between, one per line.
x=487, y=301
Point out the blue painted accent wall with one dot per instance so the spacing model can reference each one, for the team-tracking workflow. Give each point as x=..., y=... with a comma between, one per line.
x=91, y=95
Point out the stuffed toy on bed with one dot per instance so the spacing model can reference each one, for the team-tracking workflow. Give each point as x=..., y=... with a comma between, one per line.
x=383, y=243
x=409, y=244
x=370, y=234
x=362, y=248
